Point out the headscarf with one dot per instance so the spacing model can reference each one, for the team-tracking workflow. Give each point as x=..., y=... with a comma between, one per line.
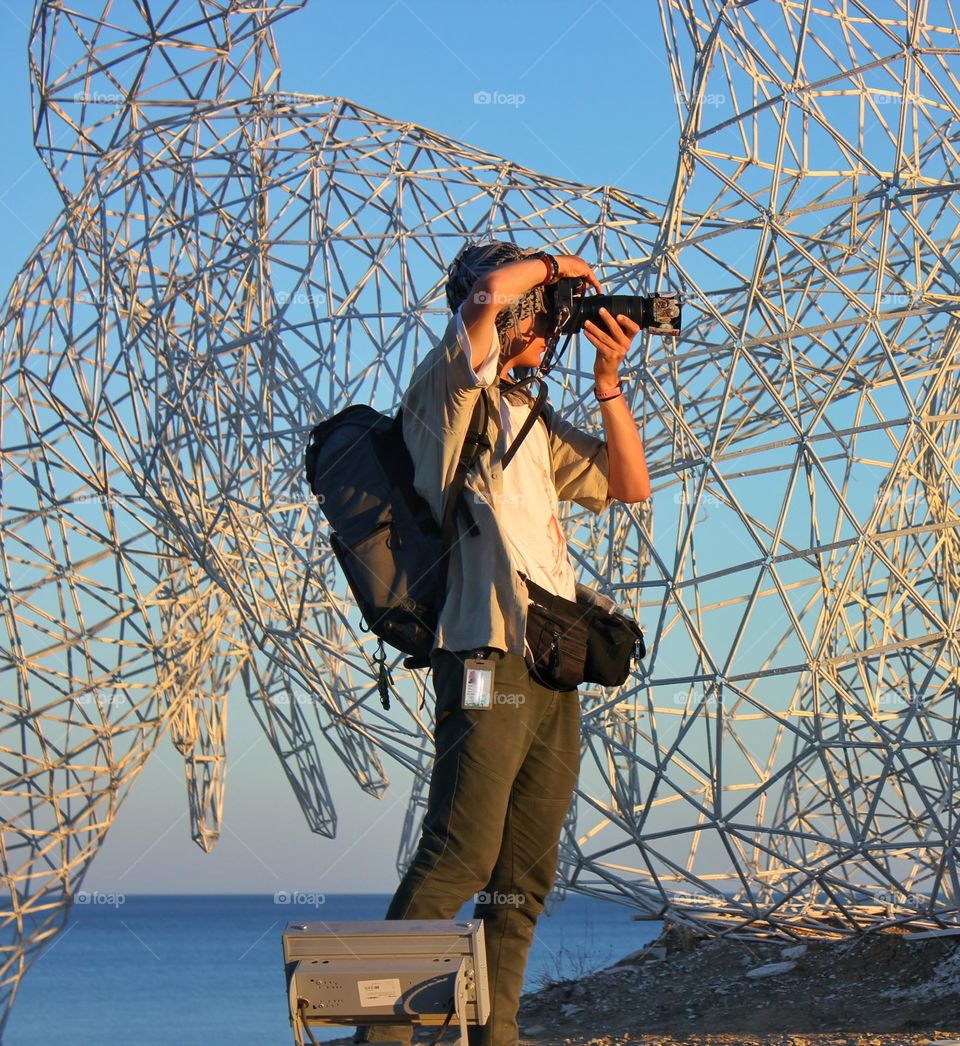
x=480, y=257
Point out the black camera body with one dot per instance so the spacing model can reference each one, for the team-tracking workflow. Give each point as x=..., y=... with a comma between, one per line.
x=570, y=308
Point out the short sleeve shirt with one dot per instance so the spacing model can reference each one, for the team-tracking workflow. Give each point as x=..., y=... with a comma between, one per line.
x=529, y=509
x=486, y=600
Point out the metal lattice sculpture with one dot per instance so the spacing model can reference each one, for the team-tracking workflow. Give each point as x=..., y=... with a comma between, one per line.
x=232, y=263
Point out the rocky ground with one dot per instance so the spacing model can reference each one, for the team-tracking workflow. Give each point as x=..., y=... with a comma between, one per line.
x=882, y=990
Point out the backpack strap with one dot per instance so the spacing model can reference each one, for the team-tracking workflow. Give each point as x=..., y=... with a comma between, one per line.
x=474, y=444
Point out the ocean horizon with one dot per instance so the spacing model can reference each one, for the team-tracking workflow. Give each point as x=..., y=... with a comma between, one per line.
x=191, y=969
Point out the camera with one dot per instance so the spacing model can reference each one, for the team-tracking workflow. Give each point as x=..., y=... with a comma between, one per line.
x=569, y=308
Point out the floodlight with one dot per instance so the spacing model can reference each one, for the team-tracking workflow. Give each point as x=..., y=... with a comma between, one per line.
x=419, y=971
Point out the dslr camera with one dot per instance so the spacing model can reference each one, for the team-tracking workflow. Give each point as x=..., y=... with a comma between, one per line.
x=570, y=308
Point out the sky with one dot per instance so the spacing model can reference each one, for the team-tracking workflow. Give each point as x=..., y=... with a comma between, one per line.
x=574, y=90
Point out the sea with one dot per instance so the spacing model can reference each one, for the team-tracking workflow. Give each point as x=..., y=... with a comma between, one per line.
x=199, y=970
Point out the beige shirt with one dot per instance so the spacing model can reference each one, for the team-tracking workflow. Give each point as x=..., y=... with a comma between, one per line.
x=486, y=602
x=530, y=520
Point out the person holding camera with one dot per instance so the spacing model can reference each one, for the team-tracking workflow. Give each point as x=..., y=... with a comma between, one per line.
x=507, y=736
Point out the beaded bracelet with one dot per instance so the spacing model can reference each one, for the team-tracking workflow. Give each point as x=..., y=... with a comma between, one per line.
x=553, y=269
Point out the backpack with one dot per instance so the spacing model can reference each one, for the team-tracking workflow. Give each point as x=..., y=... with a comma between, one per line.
x=392, y=552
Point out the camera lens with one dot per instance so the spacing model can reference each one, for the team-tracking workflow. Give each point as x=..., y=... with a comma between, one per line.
x=637, y=309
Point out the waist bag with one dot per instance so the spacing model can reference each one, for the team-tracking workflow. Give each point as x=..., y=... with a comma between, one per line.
x=574, y=642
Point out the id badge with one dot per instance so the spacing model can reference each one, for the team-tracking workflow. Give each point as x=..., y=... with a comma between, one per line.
x=477, y=682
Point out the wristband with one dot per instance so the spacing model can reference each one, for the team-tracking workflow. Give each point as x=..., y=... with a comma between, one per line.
x=553, y=269
x=608, y=394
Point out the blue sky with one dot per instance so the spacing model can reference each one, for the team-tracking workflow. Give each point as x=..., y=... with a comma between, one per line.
x=578, y=91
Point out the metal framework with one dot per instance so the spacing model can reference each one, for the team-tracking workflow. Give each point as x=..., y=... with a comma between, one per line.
x=233, y=262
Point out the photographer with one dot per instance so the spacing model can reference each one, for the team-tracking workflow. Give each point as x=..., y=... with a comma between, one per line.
x=506, y=761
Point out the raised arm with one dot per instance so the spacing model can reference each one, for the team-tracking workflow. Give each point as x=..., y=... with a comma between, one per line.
x=627, y=464
x=503, y=287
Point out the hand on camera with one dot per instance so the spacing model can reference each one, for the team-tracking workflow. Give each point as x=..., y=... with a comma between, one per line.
x=612, y=343
x=571, y=265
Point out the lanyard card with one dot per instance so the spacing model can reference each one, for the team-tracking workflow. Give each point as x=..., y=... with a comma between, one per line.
x=477, y=682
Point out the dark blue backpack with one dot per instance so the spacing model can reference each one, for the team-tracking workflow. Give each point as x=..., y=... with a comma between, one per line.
x=392, y=551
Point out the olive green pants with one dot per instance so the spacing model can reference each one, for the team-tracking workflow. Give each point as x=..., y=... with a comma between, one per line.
x=500, y=790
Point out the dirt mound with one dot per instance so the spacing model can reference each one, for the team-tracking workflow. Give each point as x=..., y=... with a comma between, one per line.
x=884, y=989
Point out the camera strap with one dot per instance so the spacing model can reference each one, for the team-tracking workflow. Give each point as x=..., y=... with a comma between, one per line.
x=476, y=443
x=547, y=360
x=529, y=421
